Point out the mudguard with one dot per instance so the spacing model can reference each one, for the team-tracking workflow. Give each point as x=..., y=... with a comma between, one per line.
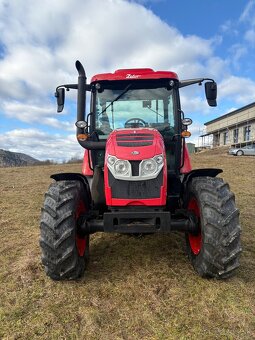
x=72, y=176
x=210, y=172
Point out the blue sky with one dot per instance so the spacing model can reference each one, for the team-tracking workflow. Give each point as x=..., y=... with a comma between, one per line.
x=40, y=41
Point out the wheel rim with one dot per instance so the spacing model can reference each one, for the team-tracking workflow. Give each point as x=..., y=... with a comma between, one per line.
x=195, y=241
x=81, y=243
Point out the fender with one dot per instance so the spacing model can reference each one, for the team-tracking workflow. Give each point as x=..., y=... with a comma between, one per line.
x=71, y=176
x=210, y=172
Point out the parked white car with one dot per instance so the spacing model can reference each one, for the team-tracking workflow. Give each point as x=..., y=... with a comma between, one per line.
x=248, y=150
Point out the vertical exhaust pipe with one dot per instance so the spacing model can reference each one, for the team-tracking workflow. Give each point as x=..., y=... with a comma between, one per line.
x=81, y=108
x=81, y=93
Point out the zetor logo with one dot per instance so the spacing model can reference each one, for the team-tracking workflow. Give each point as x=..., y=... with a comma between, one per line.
x=133, y=75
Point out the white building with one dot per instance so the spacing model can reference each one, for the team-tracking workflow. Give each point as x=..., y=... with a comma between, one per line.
x=234, y=128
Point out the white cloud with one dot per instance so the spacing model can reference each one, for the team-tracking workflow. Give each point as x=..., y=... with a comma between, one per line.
x=242, y=33
x=239, y=90
x=194, y=104
x=229, y=27
x=42, y=48
x=226, y=26
x=250, y=36
x=144, y=2
x=34, y=113
x=248, y=12
x=237, y=52
x=248, y=19
x=41, y=145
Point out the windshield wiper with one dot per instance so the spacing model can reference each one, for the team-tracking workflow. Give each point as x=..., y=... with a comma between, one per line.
x=147, y=107
x=115, y=99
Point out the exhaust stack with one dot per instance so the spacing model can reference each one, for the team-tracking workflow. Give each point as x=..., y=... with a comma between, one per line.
x=81, y=93
x=81, y=109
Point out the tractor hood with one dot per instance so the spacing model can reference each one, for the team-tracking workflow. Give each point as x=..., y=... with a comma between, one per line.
x=135, y=144
x=135, y=171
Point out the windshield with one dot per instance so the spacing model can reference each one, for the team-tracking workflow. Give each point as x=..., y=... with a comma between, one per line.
x=150, y=107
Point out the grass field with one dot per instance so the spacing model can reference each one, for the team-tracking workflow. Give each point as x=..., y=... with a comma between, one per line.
x=134, y=288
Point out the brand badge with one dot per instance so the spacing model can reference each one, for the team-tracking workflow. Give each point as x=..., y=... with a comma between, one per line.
x=135, y=153
x=133, y=76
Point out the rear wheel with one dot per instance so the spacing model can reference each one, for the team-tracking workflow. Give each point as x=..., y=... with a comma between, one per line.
x=64, y=252
x=215, y=249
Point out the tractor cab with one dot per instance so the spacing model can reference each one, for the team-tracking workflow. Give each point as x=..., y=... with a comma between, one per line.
x=134, y=103
x=133, y=99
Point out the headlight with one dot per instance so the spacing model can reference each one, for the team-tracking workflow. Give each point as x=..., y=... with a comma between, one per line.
x=159, y=159
x=81, y=124
x=121, y=167
x=111, y=160
x=148, y=167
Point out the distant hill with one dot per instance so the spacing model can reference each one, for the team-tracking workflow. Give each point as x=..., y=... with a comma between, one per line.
x=8, y=158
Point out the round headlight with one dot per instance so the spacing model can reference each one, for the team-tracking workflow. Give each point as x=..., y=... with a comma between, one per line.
x=81, y=124
x=148, y=166
x=121, y=167
x=111, y=160
x=159, y=159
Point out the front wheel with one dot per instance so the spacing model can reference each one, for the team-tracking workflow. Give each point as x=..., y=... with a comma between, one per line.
x=64, y=252
x=215, y=249
x=239, y=153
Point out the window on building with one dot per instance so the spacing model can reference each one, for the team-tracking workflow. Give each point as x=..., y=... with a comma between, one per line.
x=247, y=133
x=225, y=137
x=216, y=139
x=235, y=135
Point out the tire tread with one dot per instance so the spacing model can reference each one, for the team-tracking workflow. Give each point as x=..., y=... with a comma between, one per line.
x=220, y=253
x=58, y=231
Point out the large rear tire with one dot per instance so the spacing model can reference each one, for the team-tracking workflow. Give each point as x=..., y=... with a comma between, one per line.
x=64, y=252
x=215, y=250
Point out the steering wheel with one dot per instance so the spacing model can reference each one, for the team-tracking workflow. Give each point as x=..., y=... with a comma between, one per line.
x=135, y=123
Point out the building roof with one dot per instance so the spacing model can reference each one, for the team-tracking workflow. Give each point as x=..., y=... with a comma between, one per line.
x=232, y=113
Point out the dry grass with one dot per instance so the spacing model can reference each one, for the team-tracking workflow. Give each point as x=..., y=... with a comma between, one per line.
x=134, y=288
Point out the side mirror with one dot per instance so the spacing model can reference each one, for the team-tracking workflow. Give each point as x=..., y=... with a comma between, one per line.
x=60, y=95
x=211, y=93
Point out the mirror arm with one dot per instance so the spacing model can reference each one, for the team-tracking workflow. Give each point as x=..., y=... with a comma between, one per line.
x=188, y=82
x=74, y=86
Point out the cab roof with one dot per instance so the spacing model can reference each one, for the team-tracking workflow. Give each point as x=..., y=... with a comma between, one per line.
x=137, y=73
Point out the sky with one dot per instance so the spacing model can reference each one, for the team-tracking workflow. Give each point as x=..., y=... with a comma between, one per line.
x=41, y=40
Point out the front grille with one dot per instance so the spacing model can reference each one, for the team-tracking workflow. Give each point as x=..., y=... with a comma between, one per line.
x=136, y=189
x=134, y=144
x=134, y=140
x=137, y=136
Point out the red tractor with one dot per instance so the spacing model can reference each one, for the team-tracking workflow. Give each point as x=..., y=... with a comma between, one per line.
x=137, y=177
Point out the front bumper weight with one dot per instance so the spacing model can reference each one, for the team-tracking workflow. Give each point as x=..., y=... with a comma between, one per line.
x=139, y=222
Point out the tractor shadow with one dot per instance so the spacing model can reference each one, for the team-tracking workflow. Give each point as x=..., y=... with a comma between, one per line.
x=114, y=256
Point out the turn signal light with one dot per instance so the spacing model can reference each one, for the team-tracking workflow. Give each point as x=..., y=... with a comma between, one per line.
x=82, y=137
x=185, y=134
